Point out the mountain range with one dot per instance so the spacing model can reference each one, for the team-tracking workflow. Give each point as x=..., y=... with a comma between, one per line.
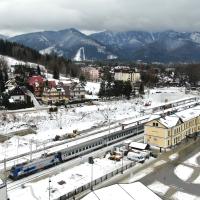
x=166, y=46
x=3, y=37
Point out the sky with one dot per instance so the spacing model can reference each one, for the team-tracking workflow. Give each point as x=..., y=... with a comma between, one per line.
x=22, y=16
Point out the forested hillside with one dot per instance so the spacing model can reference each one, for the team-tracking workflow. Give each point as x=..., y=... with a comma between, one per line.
x=51, y=62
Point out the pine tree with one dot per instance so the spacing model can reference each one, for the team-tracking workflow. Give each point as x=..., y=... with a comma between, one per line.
x=2, y=83
x=127, y=89
x=38, y=70
x=56, y=74
x=82, y=80
x=102, y=89
x=141, y=89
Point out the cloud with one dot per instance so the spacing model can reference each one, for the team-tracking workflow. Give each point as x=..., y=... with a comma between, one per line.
x=19, y=16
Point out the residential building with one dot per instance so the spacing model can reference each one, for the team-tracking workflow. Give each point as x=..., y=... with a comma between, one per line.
x=37, y=84
x=91, y=73
x=54, y=95
x=17, y=94
x=127, y=74
x=77, y=91
x=168, y=131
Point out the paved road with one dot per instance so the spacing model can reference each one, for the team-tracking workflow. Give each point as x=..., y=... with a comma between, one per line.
x=165, y=173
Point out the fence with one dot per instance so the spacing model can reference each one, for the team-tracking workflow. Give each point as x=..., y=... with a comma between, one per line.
x=87, y=186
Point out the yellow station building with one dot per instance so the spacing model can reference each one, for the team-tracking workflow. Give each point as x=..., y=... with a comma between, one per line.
x=167, y=131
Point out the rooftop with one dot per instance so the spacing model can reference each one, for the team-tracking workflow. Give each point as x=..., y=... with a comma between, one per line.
x=133, y=191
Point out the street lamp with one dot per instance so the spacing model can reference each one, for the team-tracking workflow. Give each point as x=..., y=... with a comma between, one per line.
x=49, y=188
x=91, y=161
x=122, y=162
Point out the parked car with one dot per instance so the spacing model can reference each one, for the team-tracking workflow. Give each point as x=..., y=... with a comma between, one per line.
x=136, y=157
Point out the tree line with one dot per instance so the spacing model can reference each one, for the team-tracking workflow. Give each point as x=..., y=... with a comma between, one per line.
x=52, y=62
x=110, y=87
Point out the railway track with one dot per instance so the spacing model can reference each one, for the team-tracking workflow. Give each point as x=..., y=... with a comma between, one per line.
x=37, y=153
x=11, y=185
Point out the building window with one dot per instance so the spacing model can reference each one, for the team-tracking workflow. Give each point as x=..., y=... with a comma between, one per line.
x=168, y=133
x=168, y=142
x=156, y=124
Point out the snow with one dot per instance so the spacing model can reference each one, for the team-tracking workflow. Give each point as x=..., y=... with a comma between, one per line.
x=12, y=61
x=197, y=180
x=92, y=87
x=193, y=160
x=80, y=118
x=139, y=191
x=183, y=172
x=138, y=145
x=184, y=196
x=80, y=55
x=169, y=121
x=48, y=50
x=136, y=191
x=159, y=188
x=189, y=114
x=73, y=178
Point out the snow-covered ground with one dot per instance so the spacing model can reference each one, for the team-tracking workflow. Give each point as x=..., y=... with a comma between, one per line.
x=193, y=160
x=184, y=196
x=159, y=188
x=183, y=172
x=12, y=61
x=73, y=178
x=79, y=118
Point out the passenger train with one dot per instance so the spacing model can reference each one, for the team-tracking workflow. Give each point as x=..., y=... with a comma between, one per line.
x=48, y=160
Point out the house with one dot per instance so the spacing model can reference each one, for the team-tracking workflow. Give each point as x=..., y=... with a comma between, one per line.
x=77, y=91
x=10, y=84
x=37, y=84
x=54, y=95
x=126, y=74
x=17, y=98
x=168, y=131
x=17, y=94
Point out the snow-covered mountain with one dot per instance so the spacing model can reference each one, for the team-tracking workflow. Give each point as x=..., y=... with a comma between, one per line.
x=166, y=46
x=65, y=43
x=3, y=37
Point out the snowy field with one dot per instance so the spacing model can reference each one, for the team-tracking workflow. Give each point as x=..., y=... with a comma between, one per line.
x=77, y=118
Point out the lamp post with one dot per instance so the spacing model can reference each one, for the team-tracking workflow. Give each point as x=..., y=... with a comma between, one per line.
x=91, y=161
x=122, y=162
x=49, y=188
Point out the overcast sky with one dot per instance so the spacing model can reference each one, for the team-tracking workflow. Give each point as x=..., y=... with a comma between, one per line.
x=22, y=16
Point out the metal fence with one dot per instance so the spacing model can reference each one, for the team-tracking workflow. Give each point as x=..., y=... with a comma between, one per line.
x=87, y=186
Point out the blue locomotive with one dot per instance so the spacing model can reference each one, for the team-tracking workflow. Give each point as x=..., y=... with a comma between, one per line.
x=25, y=169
